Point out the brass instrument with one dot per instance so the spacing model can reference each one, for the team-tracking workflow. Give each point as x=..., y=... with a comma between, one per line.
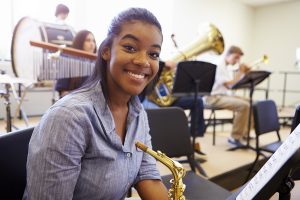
x=212, y=39
x=264, y=59
x=178, y=187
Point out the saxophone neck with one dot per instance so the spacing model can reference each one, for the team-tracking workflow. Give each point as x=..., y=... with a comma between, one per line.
x=178, y=172
x=175, y=167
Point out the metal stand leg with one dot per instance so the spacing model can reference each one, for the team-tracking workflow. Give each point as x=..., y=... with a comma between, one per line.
x=247, y=146
x=7, y=105
x=286, y=188
x=194, y=130
x=19, y=108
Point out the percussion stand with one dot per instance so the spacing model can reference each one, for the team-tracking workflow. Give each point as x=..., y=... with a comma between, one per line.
x=5, y=95
x=9, y=84
x=19, y=109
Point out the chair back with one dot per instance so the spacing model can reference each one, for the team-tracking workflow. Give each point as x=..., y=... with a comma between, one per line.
x=169, y=131
x=13, y=158
x=265, y=117
x=296, y=118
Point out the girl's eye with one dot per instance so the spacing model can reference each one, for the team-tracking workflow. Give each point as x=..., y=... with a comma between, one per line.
x=154, y=55
x=129, y=48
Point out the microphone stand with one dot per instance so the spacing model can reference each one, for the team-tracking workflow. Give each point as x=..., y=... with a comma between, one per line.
x=176, y=46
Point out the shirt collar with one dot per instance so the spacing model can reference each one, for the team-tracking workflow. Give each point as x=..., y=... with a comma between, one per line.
x=103, y=111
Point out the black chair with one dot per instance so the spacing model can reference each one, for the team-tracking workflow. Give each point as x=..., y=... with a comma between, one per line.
x=296, y=118
x=170, y=134
x=266, y=121
x=13, y=157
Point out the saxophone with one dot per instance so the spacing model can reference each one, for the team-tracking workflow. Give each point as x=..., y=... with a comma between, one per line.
x=177, y=189
x=211, y=39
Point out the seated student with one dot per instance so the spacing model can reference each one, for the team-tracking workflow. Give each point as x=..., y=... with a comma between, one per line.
x=61, y=13
x=84, y=146
x=84, y=40
x=221, y=94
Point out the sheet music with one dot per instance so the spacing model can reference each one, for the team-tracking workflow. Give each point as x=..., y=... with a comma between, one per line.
x=277, y=160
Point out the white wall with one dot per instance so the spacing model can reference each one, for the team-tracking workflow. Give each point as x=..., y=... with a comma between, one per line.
x=233, y=18
x=276, y=32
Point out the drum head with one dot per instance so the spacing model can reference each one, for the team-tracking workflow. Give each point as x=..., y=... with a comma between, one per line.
x=22, y=52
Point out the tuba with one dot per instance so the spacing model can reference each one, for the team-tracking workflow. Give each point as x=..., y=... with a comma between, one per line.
x=177, y=189
x=211, y=39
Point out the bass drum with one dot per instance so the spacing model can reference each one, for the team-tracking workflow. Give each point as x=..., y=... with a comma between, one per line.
x=23, y=55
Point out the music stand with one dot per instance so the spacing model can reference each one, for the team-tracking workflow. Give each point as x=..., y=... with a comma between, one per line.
x=249, y=81
x=295, y=123
x=194, y=77
x=275, y=175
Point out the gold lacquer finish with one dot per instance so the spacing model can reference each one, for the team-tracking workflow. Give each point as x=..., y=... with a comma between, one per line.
x=210, y=40
x=264, y=59
x=177, y=189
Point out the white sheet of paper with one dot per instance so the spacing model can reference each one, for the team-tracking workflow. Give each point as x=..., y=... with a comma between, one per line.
x=270, y=168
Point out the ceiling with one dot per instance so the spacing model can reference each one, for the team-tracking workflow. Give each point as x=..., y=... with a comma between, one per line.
x=258, y=3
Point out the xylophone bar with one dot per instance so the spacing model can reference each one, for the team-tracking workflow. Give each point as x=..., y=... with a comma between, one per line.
x=63, y=67
x=65, y=50
x=66, y=62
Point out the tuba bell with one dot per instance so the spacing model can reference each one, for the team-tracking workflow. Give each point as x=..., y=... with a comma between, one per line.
x=211, y=39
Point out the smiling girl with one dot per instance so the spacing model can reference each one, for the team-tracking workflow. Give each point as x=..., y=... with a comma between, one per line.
x=84, y=146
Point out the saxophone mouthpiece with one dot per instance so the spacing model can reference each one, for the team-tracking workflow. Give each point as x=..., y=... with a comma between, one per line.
x=141, y=146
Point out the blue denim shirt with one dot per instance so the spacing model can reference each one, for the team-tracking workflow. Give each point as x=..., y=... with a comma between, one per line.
x=73, y=156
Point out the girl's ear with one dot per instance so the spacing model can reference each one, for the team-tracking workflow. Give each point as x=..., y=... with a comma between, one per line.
x=106, y=53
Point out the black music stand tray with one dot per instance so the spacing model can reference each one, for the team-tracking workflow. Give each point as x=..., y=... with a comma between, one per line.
x=249, y=81
x=194, y=77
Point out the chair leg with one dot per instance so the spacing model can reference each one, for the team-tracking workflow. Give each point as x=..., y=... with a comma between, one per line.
x=191, y=161
x=208, y=123
x=214, y=127
x=198, y=167
x=278, y=135
x=251, y=169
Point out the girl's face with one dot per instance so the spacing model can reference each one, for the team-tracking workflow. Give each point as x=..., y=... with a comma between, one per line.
x=89, y=44
x=133, y=59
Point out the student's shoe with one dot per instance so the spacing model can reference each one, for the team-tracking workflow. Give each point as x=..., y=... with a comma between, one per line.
x=197, y=149
x=235, y=142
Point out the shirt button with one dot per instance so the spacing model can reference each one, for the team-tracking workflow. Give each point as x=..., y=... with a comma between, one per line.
x=128, y=155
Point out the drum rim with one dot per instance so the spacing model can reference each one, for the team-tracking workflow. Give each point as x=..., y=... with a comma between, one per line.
x=41, y=25
x=13, y=45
